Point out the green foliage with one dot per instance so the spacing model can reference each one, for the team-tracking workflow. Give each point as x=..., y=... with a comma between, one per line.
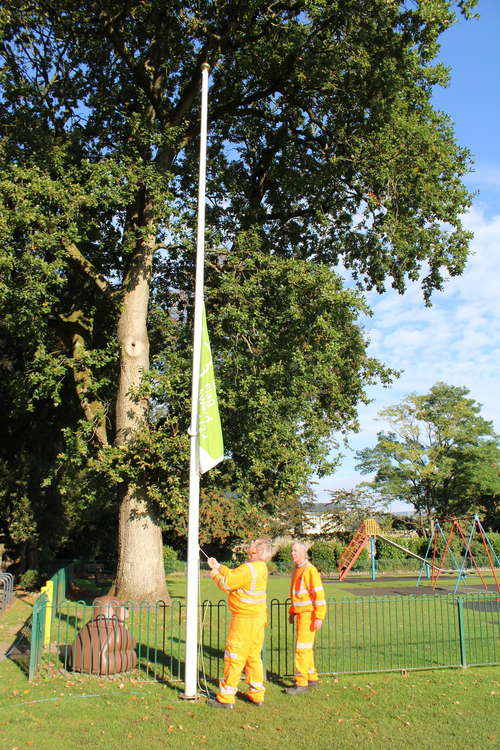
x=477, y=549
x=364, y=557
x=224, y=519
x=283, y=558
x=416, y=544
x=494, y=539
x=170, y=558
x=273, y=568
x=327, y=151
x=442, y=456
x=325, y=555
x=283, y=554
x=30, y=580
x=386, y=551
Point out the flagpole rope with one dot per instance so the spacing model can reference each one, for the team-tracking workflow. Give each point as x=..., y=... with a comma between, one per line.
x=205, y=690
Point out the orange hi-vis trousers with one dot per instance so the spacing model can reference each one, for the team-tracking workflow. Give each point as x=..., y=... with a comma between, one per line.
x=243, y=651
x=305, y=671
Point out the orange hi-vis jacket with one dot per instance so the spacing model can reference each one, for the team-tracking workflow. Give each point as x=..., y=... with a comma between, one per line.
x=306, y=592
x=246, y=586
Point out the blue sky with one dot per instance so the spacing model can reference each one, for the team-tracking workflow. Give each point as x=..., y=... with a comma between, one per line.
x=457, y=340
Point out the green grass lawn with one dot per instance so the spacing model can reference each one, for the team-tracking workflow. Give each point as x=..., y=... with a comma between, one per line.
x=450, y=709
x=445, y=709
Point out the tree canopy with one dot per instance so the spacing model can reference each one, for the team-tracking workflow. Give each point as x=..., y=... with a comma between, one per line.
x=324, y=148
x=442, y=457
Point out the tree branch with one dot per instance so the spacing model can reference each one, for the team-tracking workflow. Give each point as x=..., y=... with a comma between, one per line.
x=77, y=326
x=86, y=266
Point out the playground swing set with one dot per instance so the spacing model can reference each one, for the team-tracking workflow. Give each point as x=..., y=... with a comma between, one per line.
x=369, y=530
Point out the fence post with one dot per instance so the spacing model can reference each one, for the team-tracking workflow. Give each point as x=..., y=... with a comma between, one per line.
x=461, y=634
x=48, y=590
x=38, y=624
x=372, y=553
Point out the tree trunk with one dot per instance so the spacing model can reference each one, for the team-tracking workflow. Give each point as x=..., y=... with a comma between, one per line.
x=140, y=574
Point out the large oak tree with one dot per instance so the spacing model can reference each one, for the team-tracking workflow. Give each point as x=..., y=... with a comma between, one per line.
x=324, y=149
x=440, y=455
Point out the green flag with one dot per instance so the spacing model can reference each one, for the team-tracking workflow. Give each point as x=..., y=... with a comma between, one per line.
x=210, y=444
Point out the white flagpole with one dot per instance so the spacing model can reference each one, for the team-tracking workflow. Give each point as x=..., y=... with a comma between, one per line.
x=193, y=556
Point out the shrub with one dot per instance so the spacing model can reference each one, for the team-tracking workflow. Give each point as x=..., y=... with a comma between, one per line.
x=170, y=558
x=480, y=553
x=364, y=558
x=283, y=558
x=283, y=554
x=324, y=555
x=386, y=551
x=494, y=537
x=415, y=544
x=272, y=568
x=30, y=580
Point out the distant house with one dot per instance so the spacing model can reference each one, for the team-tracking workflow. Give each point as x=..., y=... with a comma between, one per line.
x=317, y=521
x=316, y=515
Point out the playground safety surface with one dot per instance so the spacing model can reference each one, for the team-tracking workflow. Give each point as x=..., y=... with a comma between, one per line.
x=417, y=590
x=425, y=590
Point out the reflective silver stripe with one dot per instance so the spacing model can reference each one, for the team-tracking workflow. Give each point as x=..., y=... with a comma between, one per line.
x=230, y=655
x=259, y=592
x=226, y=690
x=318, y=588
x=258, y=595
x=254, y=686
x=254, y=576
x=302, y=604
x=301, y=645
x=320, y=601
x=301, y=591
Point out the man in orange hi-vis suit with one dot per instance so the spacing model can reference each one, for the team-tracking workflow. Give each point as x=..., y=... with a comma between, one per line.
x=246, y=586
x=308, y=610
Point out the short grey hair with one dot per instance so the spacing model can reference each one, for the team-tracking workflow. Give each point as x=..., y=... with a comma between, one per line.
x=299, y=543
x=264, y=549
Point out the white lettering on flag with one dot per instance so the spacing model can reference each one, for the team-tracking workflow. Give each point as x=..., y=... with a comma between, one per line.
x=210, y=442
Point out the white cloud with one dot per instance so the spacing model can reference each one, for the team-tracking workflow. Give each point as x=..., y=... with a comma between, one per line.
x=457, y=340
x=484, y=176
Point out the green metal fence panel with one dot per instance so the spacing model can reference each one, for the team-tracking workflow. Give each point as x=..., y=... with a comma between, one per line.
x=37, y=634
x=57, y=590
x=387, y=633
x=155, y=630
x=481, y=628
x=279, y=640
x=368, y=634
x=214, y=623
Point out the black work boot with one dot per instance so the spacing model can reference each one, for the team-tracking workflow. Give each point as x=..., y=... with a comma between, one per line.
x=214, y=703
x=296, y=689
x=255, y=703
